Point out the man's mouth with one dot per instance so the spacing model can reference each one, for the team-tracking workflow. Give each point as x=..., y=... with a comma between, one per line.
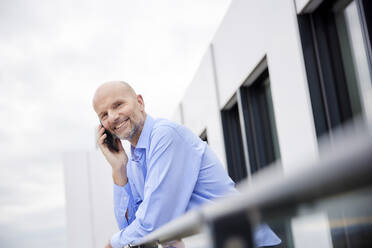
x=121, y=124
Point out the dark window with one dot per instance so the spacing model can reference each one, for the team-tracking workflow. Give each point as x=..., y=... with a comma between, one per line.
x=336, y=46
x=256, y=110
x=233, y=143
x=261, y=136
x=203, y=136
x=259, y=121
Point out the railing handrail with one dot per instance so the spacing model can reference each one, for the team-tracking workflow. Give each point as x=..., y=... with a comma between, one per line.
x=329, y=175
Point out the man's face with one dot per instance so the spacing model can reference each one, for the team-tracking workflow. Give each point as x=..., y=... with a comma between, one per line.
x=120, y=110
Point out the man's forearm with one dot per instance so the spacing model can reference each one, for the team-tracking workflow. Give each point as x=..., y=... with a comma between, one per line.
x=119, y=176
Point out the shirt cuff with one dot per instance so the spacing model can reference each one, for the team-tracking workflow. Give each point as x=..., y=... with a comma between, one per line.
x=115, y=240
x=121, y=194
x=122, y=189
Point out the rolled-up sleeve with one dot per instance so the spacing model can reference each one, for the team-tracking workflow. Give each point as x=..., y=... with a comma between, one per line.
x=172, y=172
x=123, y=201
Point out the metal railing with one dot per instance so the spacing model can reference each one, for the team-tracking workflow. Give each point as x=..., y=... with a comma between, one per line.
x=344, y=165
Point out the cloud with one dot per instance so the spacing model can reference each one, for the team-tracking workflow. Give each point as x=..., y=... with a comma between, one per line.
x=30, y=185
x=39, y=229
x=32, y=203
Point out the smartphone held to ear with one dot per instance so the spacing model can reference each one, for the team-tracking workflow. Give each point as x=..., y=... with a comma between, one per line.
x=111, y=141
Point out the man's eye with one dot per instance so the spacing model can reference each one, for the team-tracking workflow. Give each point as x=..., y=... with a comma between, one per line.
x=104, y=116
x=117, y=105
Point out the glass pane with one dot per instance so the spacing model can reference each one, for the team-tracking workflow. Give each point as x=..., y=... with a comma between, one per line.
x=340, y=221
x=357, y=46
x=259, y=120
x=272, y=118
x=234, y=144
x=353, y=53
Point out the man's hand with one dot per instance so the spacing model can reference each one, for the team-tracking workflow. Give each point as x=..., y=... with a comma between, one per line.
x=117, y=160
x=108, y=245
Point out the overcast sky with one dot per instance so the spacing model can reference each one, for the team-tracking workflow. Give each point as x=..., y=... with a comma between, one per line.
x=53, y=56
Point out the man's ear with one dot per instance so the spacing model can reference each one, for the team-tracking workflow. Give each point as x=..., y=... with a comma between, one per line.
x=141, y=102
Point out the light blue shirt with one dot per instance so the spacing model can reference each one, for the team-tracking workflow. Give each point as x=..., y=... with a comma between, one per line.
x=170, y=171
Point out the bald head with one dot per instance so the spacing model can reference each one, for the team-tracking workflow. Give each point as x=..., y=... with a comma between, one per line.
x=121, y=86
x=120, y=109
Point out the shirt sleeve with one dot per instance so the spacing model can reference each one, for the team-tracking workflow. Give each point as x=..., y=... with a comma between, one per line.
x=172, y=172
x=123, y=201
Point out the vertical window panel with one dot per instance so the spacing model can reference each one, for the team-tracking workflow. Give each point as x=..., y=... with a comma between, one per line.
x=233, y=144
x=259, y=120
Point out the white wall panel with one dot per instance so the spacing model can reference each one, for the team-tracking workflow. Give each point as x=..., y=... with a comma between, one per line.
x=89, y=200
x=177, y=115
x=102, y=199
x=78, y=202
x=289, y=87
x=239, y=45
x=200, y=106
x=312, y=230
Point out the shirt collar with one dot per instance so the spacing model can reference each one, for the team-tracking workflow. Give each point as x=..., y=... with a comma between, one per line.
x=144, y=138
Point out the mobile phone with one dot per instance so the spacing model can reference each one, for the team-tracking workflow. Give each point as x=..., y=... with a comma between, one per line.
x=111, y=141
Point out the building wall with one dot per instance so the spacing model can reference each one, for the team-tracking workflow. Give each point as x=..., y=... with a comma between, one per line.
x=78, y=202
x=200, y=105
x=253, y=31
x=89, y=202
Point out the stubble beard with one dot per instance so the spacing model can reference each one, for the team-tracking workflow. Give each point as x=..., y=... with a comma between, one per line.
x=133, y=132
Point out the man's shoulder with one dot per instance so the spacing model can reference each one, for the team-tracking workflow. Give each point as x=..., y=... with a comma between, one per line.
x=163, y=133
x=173, y=132
x=164, y=127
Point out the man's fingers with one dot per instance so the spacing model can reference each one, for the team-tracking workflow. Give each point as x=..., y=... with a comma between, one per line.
x=100, y=130
x=101, y=139
x=101, y=135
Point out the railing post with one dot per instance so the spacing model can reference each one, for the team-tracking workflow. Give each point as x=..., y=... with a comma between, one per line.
x=144, y=246
x=231, y=231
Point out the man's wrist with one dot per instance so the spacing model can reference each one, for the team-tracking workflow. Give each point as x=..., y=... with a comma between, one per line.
x=119, y=176
x=119, y=180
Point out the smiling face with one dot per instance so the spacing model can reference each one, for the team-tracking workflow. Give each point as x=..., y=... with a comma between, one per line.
x=120, y=110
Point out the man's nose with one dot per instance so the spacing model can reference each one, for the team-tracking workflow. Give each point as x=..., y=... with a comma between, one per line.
x=113, y=116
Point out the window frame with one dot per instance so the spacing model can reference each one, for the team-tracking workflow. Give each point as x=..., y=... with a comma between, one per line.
x=252, y=150
x=330, y=99
x=259, y=123
x=365, y=19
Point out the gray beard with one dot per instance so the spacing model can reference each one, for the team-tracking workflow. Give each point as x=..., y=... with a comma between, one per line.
x=134, y=131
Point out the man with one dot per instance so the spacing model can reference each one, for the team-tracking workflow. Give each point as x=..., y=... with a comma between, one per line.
x=169, y=172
